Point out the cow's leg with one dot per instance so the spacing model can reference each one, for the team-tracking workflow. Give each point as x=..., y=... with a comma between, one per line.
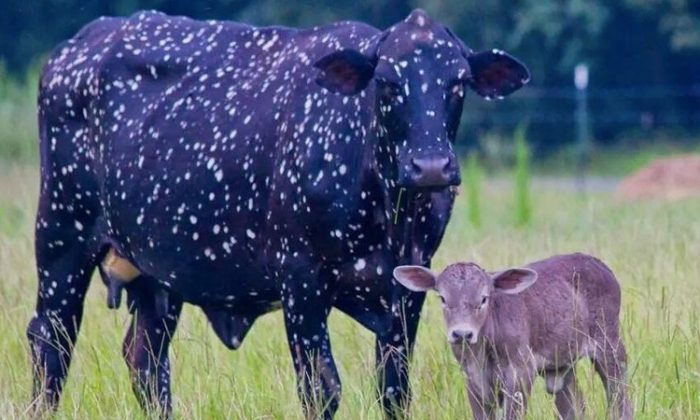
x=393, y=349
x=66, y=254
x=306, y=305
x=146, y=346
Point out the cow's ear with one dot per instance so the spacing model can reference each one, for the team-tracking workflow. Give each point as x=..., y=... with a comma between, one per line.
x=345, y=71
x=495, y=74
x=415, y=277
x=513, y=280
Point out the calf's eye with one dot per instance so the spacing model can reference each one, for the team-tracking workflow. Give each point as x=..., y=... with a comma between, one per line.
x=483, y=300
x=442, y=299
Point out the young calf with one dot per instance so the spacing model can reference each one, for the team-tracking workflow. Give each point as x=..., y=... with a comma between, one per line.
x=506, y=327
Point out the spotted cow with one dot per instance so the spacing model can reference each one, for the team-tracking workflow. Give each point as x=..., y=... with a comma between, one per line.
x=243, y=169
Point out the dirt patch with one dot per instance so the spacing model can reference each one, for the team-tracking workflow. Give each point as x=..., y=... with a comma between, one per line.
x=671, y=179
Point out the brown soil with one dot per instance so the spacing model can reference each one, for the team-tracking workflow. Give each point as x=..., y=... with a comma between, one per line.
x=672, y=178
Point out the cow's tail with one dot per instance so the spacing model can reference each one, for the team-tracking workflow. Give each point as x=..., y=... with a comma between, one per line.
x=67, y=241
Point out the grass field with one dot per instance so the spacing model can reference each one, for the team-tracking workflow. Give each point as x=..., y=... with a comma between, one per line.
x=654, y=248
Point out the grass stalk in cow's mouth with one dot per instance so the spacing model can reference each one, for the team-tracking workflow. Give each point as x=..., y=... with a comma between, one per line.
x=397, y=208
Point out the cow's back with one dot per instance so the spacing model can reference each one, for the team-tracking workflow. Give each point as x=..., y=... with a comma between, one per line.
x=179, y=126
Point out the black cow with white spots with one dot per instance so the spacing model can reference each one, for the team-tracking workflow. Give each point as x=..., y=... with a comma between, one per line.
x=244, y=169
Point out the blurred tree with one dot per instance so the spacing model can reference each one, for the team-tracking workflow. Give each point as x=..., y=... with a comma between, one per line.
x=679, y=19
x=637, y=45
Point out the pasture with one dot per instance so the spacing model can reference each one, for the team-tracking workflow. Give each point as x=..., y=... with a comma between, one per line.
x=654, y=248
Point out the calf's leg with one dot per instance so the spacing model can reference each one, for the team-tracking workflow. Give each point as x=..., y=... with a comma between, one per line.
x=146, y=346
x=610, y=362
x=482, y=401
x=516, y=383
x=569, y=400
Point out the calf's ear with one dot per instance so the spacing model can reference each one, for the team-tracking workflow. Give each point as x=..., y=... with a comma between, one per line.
x=513, y=280
x=495, y=74
x=346, y=71
x=415, y=277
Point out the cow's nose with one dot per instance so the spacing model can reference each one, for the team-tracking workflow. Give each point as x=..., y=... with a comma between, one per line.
x=461, y=334
x=433, y=171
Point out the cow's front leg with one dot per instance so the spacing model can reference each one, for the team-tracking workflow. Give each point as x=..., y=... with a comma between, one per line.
x=393, y=350
x=146, y=346
x=306, y=305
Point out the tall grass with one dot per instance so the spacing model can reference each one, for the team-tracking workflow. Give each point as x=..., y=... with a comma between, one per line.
x=473, y=181
x=523, y=206
x=652, y=247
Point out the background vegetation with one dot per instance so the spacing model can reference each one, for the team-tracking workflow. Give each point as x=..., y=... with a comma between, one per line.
x=642, y=54
x=652, y=247
x=644, y=101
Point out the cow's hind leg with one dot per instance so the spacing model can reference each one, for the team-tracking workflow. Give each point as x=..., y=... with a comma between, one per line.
x=392, y=352
x=67, y=251
x=306, y=306
x=146, y=345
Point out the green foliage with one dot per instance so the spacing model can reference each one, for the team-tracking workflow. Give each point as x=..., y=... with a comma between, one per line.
x=568, y=28
x=678, y=19
x=18, y=126
x=550, y=36
x=523, y=205
x=473, y=180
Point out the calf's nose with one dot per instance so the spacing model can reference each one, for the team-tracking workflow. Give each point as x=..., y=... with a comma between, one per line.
x=432, y=171
x=461, y=334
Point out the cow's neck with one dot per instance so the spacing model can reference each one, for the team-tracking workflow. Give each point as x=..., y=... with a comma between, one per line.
x=400, y=206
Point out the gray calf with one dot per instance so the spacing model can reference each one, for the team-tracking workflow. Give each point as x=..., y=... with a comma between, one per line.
x=506, y=327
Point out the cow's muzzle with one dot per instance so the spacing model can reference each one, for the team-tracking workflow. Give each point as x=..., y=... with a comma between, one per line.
x=432, y=171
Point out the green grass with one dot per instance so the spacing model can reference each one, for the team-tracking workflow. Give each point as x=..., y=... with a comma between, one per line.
x=523, y=204
x=653, y=248
x=623, y=158
x=472, y=180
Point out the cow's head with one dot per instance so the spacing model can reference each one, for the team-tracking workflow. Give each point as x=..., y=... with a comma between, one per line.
x=466, y=291
x=418, y=71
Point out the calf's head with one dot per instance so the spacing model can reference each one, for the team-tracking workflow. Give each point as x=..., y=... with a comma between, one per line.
x=466, y=291
x=417, y=72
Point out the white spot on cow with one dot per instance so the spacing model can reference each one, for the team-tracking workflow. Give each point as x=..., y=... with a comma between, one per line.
x=360, y=264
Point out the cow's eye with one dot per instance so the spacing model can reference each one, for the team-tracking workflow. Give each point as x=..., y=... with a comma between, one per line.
x=457, y=89
x=392, y=90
